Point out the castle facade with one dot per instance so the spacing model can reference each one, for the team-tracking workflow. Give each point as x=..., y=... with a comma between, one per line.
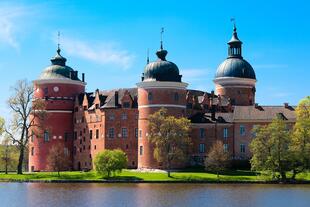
x=89, y=122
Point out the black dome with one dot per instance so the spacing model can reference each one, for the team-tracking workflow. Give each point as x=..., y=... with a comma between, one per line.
x=58, y=69
x=161, y=70
x=235, y=67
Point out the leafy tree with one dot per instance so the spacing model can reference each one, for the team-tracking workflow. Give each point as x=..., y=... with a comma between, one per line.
x=57, y=159
x=5, y=154
x=110, y=161
x=27, y=113
x=217, y=159
x=300, y=147
x=270, y=148
x=170, y=136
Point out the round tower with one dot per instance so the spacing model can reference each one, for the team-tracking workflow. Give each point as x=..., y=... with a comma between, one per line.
x=57, y=86
x=235, y=78
x=161, y=87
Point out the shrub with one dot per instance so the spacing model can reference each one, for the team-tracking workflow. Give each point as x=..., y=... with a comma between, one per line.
x=110, y=161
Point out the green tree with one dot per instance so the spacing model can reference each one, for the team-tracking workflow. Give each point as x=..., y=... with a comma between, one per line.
x=270, y=148
x=110, y=161
x=217, y=159
x=5, y=154
x=58, y=159
x=170, y=136
x=27, y=113
x=300, y=147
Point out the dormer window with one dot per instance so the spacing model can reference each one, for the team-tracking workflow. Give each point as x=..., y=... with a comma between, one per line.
x=97, y=106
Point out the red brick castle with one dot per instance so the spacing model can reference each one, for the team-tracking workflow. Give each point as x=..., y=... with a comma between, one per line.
x=88, y=123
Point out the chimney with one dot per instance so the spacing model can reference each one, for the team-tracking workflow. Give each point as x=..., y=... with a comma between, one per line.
x=83, y=77
x=213, y=113
x=286, y=105
x=256, y=105
x=116, y=98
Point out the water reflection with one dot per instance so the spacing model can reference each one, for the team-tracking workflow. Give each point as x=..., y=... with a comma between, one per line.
x=140, y=195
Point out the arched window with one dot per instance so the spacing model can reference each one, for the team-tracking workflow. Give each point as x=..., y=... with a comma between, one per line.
x=150, y=96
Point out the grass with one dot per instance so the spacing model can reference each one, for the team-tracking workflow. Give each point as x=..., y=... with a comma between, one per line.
x=128, y=175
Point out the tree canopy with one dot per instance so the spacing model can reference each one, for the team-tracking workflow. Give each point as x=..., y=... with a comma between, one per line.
x=170, y=136
x=270, y=148
x=217, y=159
x=110, y=162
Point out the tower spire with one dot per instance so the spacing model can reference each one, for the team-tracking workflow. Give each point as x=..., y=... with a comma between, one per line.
x=233, y=20
x=234, y=43
x=58, y=43
x=161, y=53
x=148, y=56
x=161, y=38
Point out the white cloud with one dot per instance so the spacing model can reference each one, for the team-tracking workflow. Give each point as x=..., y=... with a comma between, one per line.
x=9, y=23
x=102, y=53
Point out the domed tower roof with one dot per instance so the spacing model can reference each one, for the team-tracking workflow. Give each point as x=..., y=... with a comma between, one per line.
x=235, y=65
x=161, y=69
x=58, y=69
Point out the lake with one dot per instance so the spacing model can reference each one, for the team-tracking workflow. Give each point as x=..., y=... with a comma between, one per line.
x=140, y=195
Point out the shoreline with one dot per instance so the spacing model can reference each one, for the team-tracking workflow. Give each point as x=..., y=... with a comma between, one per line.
x=303, y=182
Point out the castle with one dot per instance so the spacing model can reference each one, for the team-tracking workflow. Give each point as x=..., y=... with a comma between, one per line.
x=89, y=122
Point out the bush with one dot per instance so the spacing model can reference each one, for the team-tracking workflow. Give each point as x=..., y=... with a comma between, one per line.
x=110, y=161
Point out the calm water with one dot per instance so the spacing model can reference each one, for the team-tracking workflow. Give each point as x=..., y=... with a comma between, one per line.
x=138, y=195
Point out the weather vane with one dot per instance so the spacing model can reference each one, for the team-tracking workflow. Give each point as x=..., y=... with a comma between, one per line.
x=233, y=20
x=58, y=44
x=161, y=38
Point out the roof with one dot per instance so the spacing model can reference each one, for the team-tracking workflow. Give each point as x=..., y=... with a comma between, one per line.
x=108, y=98
x=248, y=114
x=58, y=69
x=263, y=113
x=235, y=67
x=161, y=69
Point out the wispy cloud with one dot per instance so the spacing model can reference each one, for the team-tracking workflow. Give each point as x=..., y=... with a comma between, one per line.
x=270, y=66
x=195, y=74
x=105, y=53
x=9, y=23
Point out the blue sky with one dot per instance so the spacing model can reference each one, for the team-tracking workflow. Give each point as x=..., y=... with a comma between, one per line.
x=108, y=41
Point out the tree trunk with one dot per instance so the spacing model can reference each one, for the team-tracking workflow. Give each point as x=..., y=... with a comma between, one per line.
x=6, y=166
x=283, y=176
x=20, y=161
x=294, y=175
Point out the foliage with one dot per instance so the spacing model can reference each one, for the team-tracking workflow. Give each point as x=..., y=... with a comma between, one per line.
x=8, y=155
x=300, y=147
x=27, y=113
x=110, y=161
x=57, y=159
x=270, y=148
x=217, y=159
x=170, y=136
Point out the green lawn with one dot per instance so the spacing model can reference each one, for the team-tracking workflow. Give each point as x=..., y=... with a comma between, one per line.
x=237, y=176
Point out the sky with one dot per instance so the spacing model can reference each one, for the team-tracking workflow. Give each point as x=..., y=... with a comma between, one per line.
x=108, y=41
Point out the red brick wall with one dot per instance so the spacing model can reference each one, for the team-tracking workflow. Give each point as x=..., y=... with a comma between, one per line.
x=241, y=96
x=159, y=96
x=57, y=123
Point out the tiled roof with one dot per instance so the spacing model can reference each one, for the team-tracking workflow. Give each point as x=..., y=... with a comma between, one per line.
x=262, y=113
